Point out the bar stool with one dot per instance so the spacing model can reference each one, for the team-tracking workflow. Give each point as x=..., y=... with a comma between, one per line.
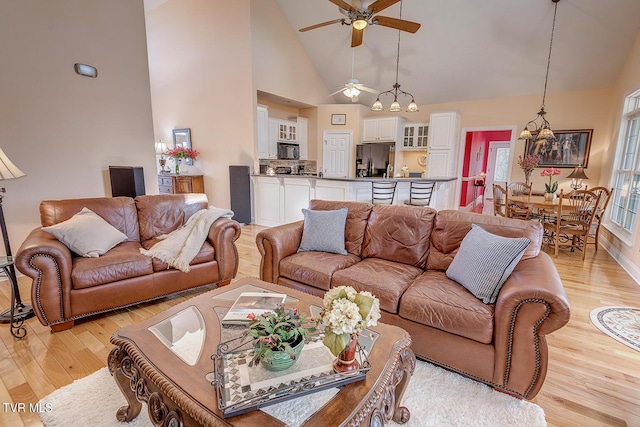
x=382, y=192
x=420, y=193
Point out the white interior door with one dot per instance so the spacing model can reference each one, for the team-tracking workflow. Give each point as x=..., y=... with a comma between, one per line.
x=336, y=154
x=497, y=165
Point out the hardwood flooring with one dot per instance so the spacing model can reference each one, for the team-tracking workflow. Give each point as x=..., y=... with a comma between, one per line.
x=592, y=379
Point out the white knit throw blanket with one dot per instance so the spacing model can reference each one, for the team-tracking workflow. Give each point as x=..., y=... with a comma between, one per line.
x=179, y=247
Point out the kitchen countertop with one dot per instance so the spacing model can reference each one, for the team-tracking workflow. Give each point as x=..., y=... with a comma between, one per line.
x=365, y=179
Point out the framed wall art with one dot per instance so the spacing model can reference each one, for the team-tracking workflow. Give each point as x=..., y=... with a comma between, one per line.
x=569, y=148
x=338, y=119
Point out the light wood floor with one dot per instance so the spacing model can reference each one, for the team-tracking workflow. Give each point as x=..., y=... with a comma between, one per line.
x=592, y=379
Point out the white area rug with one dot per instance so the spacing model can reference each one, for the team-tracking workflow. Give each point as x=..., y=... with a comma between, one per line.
x=620, y=323
x=435, y=397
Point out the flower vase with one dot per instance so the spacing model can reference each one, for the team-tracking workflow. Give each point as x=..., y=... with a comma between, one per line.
x=177, y=165
x=346, y=362
x=527, y=177
x=550, y=197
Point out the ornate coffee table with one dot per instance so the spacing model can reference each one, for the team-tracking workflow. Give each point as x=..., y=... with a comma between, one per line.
x=165, y=361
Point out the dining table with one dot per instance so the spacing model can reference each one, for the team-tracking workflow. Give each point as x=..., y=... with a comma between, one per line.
x=535, y=202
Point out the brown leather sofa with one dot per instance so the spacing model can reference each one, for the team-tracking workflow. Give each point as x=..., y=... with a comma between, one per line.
x=67, y=287
x=400, y=254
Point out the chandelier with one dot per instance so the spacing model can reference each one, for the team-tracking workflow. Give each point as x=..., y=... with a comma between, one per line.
x=542, y=129
x=395, y=105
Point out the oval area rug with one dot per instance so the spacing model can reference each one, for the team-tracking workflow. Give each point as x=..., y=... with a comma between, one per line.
x=435, y=397
x=620, y=323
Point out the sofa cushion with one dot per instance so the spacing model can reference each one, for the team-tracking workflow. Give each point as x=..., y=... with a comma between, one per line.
x=485, y=261
x=315, y=268
x=323, y=231
x=356, y=221
x=87, y=234
x=205, y=254
x=452, y=226
x=161, y=214
x=122, y=262
x=399, y=233
x=387, y=280
x=437, y=301
x=118, y=211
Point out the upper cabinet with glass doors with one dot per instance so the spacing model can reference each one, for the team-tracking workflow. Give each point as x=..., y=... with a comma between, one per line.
x=415, y=137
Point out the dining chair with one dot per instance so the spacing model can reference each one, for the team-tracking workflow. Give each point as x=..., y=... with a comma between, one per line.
x=571, y=224
x=605, y=196
x=382, y=192
x=420, y=193
x=499, y=200
x=515, y=210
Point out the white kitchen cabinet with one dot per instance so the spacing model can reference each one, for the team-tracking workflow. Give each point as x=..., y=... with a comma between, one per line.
x=297, y=193
x=382, y=129
x=415, y=137
x=303, y=137
x=287, y=131
x=272, y=152
x=264, y=151
x=269, y=201
x=442, y=157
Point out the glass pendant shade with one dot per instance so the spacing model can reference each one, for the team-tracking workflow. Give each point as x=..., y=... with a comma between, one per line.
x=359, y=24
x=377, y=106
x=350, y=92
x=525, y=134
x=413, y=107
x=546, y=133
x=395, y=106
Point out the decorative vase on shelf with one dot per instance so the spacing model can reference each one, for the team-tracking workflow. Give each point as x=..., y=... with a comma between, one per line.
x=346, y=362
x=527, y=177
x=177, y=161
x=550, y=197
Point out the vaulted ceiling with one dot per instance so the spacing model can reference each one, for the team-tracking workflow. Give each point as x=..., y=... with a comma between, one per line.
x=472, y=49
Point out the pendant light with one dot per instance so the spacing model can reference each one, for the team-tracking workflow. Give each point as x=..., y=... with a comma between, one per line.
x=542, y=129
x=395, y=105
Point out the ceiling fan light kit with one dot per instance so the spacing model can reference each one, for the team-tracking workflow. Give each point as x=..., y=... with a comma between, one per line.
x=543, y=130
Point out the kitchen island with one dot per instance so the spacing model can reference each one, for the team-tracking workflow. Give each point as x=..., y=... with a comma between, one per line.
x=279, y=199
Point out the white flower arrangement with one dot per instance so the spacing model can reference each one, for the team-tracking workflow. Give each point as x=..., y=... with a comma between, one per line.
x=346, y=312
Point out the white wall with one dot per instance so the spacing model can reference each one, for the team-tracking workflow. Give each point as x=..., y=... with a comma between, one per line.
x=64, y=130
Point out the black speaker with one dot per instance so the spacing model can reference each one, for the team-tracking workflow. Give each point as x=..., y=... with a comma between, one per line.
x=126, y=181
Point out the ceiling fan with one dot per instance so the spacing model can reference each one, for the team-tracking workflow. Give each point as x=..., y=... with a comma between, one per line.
x=360, y=18
x=353, y=87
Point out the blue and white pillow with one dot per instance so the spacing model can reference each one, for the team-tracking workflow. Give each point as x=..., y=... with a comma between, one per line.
x=324, y=231
x=485, y=261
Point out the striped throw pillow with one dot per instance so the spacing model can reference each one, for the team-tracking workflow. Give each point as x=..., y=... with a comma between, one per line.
x=485, y=261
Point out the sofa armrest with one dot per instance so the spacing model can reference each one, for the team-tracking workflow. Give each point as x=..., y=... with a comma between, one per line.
x=48, y=263
x=222, y=235
x=531, y=304
x=275, y=244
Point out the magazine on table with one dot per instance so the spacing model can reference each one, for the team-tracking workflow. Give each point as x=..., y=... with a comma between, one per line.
x=252, y=302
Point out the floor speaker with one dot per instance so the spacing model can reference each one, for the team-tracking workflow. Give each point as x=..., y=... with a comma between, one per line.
x=126, y=181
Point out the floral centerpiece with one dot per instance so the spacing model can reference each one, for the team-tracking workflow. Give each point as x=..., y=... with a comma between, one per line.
x=278, y=337
x=179, y=153
x=345, y=313
x=528, y=163
x=551, y=187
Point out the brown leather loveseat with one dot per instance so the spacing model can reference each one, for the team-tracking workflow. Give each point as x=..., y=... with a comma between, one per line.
x=400, y=254
x=67, y=287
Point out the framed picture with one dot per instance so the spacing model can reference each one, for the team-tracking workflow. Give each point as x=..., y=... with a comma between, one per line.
x=569, y=148
x=338, y=119
x=182, y=137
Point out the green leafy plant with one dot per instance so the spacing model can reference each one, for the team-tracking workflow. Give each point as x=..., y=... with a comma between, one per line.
x=277, y=331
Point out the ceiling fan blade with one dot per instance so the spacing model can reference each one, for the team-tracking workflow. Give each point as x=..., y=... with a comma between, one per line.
x=366, y=89
x=313, y=27
x=343, y=4
x=356, y=37
x=379, y=5
x=398, y=24
x=337, y=92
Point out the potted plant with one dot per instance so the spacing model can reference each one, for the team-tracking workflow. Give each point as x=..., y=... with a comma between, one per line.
x=278, y=337
x=345, y=313
x=550, y=188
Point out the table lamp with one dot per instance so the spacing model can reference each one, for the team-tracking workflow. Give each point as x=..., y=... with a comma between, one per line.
x=161, y=149
x=21, y=311
x=577, y=175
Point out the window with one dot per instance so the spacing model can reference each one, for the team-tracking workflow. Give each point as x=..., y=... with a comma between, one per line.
x=624, y=209
x=502, y=165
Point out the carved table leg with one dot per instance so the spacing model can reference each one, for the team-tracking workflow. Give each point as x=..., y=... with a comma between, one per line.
x=126, y=376
x=401, y=414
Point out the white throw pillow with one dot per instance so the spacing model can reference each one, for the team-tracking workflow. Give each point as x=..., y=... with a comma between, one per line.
x=485, y=261
x=87, y=234
x=324, y=231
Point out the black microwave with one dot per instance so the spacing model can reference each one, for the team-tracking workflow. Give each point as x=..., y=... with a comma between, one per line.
x=288, y=151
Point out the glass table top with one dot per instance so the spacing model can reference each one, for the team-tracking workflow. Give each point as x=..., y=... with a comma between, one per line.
x=183, y=334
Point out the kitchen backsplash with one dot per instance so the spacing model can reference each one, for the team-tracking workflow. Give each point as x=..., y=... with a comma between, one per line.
x=309, y=165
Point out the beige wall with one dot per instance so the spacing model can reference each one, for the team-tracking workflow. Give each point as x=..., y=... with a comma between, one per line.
x=200, y=73
x=64, y=130
x=628, y=82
